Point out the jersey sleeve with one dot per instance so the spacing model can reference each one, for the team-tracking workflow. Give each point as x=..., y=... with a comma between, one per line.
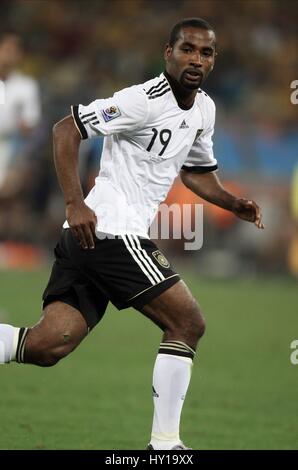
x=126, y=111
x=201, y=158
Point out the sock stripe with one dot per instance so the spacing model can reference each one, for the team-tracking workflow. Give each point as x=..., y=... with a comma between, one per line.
x=176, y=348
x=186, y=346
x=178, y=343
x=22, y=349
x=21, y=344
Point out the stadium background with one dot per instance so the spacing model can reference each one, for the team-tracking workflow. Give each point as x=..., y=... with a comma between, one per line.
x=244, y=388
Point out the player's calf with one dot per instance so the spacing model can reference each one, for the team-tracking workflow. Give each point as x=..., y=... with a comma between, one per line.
x=59, y=332
x=48, y=351
x=14, y=341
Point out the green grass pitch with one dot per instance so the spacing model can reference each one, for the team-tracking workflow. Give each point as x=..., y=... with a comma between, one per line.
x=243, y=393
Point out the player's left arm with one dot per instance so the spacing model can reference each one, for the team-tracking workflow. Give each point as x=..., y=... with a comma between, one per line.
x=209, y=187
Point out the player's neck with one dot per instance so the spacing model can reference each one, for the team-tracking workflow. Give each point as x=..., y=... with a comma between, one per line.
x=185, y=98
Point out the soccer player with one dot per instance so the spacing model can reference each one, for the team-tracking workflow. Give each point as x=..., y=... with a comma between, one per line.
x=152, y=132
x=20, y=113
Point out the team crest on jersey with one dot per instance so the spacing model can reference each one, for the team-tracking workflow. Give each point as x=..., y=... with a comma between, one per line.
x=110, y=113
x=161, y=259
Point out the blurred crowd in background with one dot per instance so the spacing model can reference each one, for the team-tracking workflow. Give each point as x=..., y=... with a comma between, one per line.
x=54, y=53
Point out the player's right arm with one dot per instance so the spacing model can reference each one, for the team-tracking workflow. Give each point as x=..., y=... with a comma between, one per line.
x=81, y=219
x=127, y=110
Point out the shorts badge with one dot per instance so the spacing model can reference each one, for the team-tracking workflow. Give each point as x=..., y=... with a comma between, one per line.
x=110, y=113
x=161, y=259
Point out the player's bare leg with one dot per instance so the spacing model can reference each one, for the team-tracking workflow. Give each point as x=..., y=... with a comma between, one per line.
x=177, y=313
x=59, y=331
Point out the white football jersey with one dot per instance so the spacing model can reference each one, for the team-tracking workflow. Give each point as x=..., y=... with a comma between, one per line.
x=148, y=139
x=21, y=105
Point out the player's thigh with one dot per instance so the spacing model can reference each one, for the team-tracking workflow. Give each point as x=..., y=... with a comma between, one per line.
x=61, y=328
x=176, y=309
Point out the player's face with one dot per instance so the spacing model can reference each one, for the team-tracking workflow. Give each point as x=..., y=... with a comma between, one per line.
x=191, y=59
x=10, y=51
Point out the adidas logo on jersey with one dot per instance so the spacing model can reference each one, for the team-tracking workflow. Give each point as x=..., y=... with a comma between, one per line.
x=183, y=125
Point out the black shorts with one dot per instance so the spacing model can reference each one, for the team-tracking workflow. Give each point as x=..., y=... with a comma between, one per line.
x=127, y=270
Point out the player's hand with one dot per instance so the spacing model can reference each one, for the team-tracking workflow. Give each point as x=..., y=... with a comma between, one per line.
x=82, y=222
x=250, y=211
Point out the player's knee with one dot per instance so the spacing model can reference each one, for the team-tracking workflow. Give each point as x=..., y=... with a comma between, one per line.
x=46, y=360
x=195, y=325
x=195, y=322
x=191, y=325
x=195, y=328
x=201, y=326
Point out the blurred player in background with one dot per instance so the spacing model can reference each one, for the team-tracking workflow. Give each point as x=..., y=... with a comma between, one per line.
x=19, y=114
x=153, y=131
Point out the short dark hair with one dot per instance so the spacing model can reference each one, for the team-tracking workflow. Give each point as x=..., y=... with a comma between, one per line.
x=192, y=22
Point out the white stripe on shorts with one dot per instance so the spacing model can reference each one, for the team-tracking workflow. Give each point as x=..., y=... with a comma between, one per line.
x=137, y=260
x=140, y=253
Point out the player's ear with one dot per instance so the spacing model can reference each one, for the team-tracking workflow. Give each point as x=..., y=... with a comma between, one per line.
x=168, y=51
x=211, y=68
